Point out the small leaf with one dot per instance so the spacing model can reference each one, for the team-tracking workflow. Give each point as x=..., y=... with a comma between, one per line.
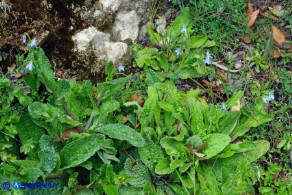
x=249, y=9
x=246, y=39
x=253, y=18
x=278, y=36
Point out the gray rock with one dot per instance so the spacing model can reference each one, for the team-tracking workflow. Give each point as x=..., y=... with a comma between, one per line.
x=111, y=4
x=126, y=26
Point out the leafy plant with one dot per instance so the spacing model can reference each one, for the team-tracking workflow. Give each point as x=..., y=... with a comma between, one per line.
x=180, y=53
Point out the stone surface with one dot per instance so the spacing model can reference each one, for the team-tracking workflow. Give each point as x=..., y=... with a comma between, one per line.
x=126, y=26
x=111, y=4
x=80, y=37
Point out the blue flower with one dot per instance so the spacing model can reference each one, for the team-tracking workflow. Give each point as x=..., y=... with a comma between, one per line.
x=183, y=29
x=29, y=66
x=268, y=98
x=33, y=43
x=223, y=107
x=23, y=39
x=208, y=58
x=121, y=68
x=178, y=51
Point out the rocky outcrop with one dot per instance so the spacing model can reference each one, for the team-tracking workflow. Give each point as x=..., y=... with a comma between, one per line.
x=79, y=36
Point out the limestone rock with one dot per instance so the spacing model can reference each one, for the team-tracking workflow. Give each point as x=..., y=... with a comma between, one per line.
x=111, y=4
x=87, y=36
x=126, y=25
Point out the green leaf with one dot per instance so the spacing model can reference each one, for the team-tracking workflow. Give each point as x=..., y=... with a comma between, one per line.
x=123, y=132
x=109, y=71
x=198, y=41
x=228, y=122
x=48, y=159
x=155, y=38
x=51, y=118
x=144, y=56
x=209, y=44
x=233, y=101
x=153, y=77
x=30, y=170
x=4, y=82
x=80, y=150
x=171, y=146
x=163, y=167
x=139, y=173
x=150, y=154
x=195, y=141
x=216, y=143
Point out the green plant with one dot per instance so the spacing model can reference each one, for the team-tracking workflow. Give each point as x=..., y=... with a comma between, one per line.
x=180, y=53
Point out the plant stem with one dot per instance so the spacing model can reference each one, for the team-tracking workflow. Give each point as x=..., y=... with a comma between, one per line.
x=92, y=113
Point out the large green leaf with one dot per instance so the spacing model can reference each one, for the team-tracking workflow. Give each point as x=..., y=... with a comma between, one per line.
x=123, y=132
x=51, y=118
x=163, y=167
x=198, y=41
x=139, y=173
x=78, y=151
x=233, y=101
x=216, y=143
x=228, y=122
x=150, y=154
x=48, y=159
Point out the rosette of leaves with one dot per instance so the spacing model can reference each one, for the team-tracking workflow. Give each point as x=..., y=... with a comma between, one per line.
x=191, y=136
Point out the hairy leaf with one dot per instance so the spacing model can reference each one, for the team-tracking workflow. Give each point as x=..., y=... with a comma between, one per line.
x=123, y=132
x=216, y=143
x=150, y=154
x=78, y=151
x=139, y=173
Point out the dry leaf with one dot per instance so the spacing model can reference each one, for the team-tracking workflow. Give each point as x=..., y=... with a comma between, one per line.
x=253, y=18
x=276, y=52
x=236, y=108
x=125, y=119
x=65, y=134
x=278, y=36
x=249, y=9
x=246, y=39
x=266, y=14
x=199, y=155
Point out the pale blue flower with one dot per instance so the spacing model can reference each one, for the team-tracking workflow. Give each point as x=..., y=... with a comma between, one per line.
x=268, y=98
x=259, y=174
x=23, y=39
x=183, y=29
x=178, y=51
x=121, y=68
x=33, y=43
x=223, y=107
x=29, y=66
x=208, y=58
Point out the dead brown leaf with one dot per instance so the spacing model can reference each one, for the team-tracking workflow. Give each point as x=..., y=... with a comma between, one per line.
x=246, y=39
x=199, y=155
x=249, y=9
x=65, y=134
x=276, y=53
x=253, y=18
x=278, y=36
x=236, y=108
